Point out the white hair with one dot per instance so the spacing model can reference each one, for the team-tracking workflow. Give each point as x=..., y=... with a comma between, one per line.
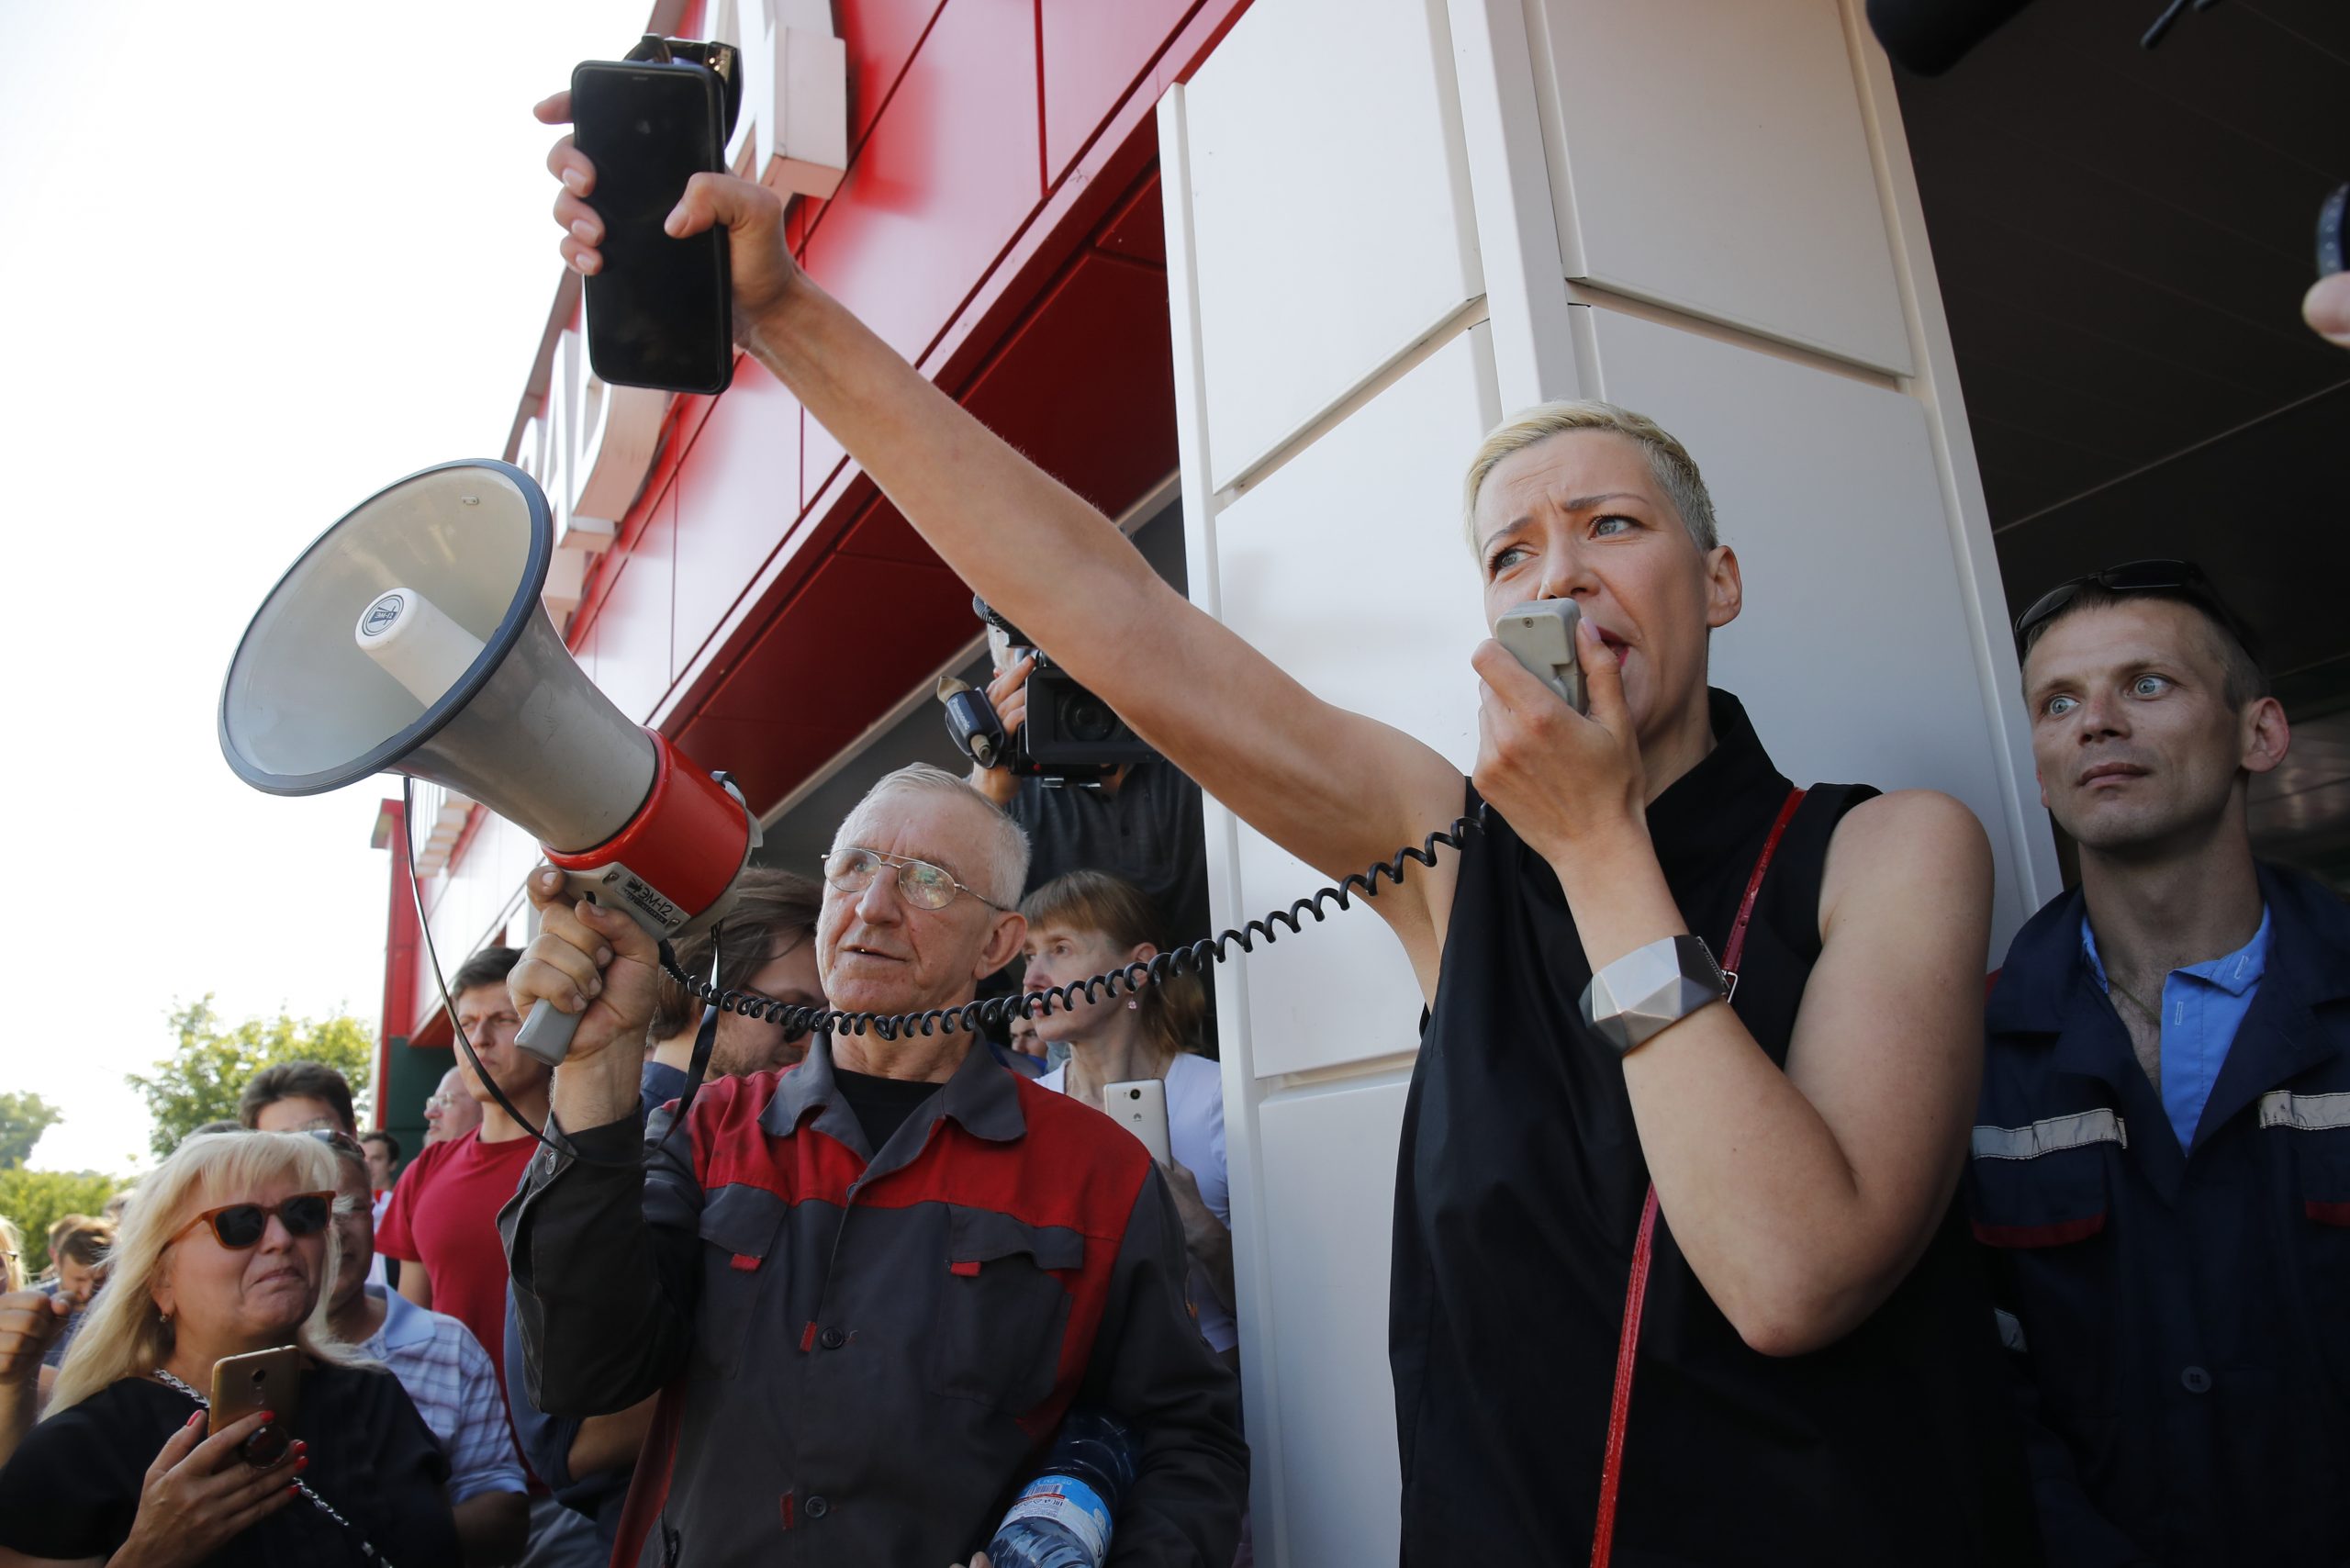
x=1002, y=871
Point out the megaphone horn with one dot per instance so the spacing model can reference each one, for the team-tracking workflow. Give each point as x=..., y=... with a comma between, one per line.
x=409, y=638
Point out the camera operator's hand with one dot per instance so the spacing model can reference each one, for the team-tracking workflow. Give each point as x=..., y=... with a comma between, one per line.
x=761, y=263
x=591, y=960
x=1007, y=695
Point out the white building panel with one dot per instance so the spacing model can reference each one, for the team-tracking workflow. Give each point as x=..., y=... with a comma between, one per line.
x=1711, y=157
x=1329, y=1202
x=1330, y=206
x=1853, y=654
x=1347, y=567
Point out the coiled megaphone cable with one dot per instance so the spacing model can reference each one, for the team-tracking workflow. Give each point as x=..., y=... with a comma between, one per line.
x=1192, y=958
x=1195, y=958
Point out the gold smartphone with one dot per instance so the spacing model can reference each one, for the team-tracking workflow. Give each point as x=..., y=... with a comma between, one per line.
x=262, y=1380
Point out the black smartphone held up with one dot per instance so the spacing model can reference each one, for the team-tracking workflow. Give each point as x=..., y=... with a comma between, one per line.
x=660, y=310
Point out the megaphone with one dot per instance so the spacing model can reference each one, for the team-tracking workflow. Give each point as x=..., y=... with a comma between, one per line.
x=409, y=639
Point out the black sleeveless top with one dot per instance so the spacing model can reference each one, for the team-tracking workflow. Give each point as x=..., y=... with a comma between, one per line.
x=1518, y=1199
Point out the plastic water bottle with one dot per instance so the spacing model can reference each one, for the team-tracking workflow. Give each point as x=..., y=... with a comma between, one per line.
x=1062, y=1519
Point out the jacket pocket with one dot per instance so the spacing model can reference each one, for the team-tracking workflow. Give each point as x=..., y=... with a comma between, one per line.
x=1002, y=1311
x=2044, y=1185
x=2319, y=1126
x=741, y=1229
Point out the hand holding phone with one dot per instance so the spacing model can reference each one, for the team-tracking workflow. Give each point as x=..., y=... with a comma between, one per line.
x=660, y=309
x=264, y=1380
x=1540, y=635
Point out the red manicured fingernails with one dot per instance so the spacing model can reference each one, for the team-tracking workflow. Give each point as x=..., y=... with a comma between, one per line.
x=301, y=1464
x=196, y=1419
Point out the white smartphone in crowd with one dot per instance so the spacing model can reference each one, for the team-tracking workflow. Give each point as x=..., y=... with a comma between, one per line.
x=1540, y=635
x=1140, y=1107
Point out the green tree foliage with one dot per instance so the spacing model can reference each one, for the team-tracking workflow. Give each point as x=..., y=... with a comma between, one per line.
x=35, y=1200
x=200, y=1081
x=23, y=1118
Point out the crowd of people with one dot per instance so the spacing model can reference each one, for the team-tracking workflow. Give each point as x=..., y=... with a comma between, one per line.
x=1708, y=1090
x=278, y=1228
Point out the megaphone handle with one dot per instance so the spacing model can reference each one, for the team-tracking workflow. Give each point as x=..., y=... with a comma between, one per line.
x=546, y=1033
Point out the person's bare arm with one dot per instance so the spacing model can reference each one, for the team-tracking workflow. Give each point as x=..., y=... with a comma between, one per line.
x=1335, y=789
x=608, y=1442
x=416, y=1281
x=1800, y=1197
x=493, y=1529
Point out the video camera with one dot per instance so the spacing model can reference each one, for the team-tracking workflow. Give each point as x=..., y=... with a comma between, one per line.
x=1070, y=737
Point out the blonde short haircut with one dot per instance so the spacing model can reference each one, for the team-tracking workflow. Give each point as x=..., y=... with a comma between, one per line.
x=1002, y=870
x=1670, y=465
x=125, y=1335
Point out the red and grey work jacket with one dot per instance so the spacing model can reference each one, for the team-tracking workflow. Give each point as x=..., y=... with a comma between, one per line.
x=863, y=1355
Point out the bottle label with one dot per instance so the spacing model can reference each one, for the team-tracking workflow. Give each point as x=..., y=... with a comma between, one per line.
x=1066, y=1501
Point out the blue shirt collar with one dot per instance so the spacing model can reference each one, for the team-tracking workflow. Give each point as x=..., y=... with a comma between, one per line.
x=404, y=1323
x=2235, y=973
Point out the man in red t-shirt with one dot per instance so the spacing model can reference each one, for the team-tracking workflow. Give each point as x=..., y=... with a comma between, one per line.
x=442, y=1220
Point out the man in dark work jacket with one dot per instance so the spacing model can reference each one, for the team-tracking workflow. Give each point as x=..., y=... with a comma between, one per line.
x=868, y=1287
x=2162, y=1168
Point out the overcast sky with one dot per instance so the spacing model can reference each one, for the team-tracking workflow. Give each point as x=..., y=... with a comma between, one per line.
x=255, y=268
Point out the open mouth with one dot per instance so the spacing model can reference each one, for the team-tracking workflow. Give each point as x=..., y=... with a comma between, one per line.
x=1613, y=644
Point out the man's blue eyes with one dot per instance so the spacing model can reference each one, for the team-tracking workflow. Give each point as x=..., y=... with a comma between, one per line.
x=2143, y=686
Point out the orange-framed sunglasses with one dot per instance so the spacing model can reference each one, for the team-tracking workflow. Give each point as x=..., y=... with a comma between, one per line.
x=242, y=1226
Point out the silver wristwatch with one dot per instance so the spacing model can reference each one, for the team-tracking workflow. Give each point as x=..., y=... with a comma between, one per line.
x=1651, y=988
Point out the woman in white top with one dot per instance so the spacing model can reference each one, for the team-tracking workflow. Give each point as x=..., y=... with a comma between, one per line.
x=1087, y=923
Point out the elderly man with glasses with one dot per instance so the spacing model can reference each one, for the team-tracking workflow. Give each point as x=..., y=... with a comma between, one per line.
x=867, y=1288
x=2162, y=1165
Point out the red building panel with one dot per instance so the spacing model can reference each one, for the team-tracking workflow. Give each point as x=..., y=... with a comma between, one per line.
x=859, y=627
x=1093, y=52
x=630, y=643
x=737, y=497
x=944, y=181
x=1138, y=230
x=882, y=36
x=1087, y=386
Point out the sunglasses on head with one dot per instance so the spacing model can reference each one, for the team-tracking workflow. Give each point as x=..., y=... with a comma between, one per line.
x=2183, y=578
x=242, y=1226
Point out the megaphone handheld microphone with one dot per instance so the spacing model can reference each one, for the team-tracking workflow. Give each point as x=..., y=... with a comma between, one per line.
x=409, y=638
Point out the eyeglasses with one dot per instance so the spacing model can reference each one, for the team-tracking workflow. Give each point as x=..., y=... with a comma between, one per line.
x=2183, y=578
x=240, y=1227
x=334, y=1137
x=920, y=883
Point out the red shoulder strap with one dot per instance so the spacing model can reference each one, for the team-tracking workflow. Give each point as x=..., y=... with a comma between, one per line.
x=1619, y=1406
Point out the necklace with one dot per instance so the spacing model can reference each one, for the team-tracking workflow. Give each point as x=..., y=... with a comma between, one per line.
x=366, y=1549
